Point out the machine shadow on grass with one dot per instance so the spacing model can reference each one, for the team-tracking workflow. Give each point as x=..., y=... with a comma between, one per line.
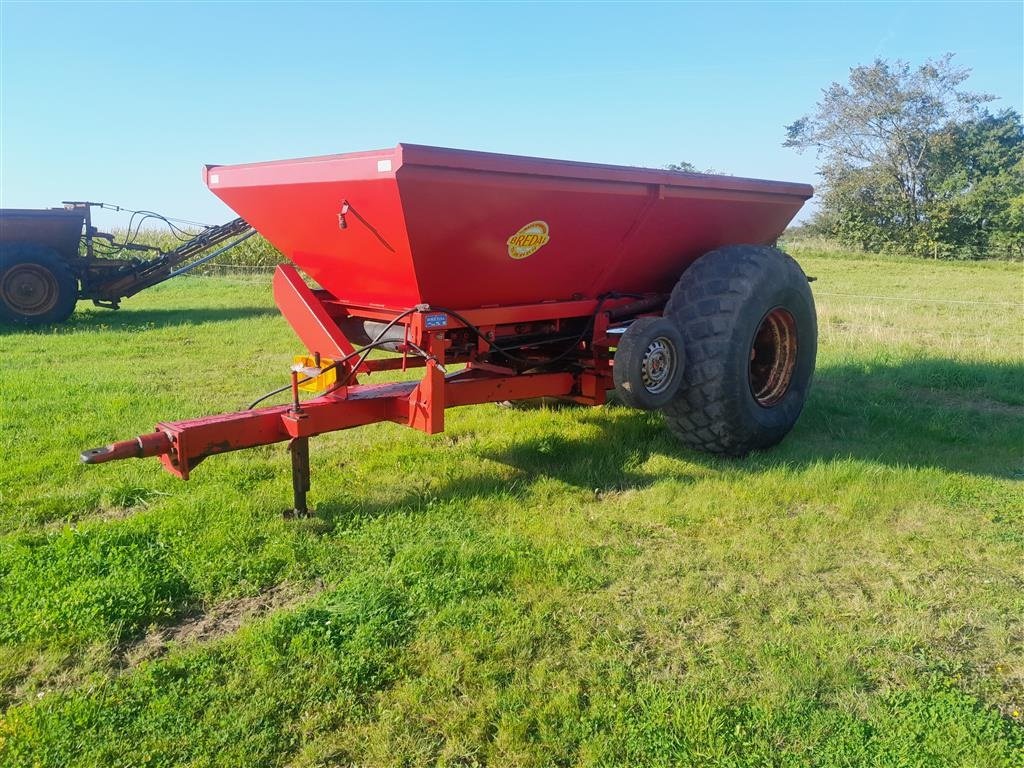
x=598, y=465
x=129, y=319
x=930, y=413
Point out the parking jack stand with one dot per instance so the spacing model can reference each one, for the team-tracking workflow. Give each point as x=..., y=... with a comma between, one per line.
x=299, y=449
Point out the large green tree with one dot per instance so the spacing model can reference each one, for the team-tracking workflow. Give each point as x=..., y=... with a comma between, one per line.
x=911, y=160
x=976, y=202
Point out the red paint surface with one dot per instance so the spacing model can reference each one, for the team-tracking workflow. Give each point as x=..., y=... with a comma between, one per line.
x=444, y=216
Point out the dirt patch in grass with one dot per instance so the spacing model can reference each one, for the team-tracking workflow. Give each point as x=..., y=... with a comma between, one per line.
x=62, y=671
x=947, y=399
x=216, y=621
x=99, y=515
x=34, y=678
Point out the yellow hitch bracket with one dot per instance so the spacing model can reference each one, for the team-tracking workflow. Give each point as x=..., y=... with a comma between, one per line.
x=317, y=380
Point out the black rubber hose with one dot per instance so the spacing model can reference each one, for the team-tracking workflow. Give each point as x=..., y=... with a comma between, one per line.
x=377, y=342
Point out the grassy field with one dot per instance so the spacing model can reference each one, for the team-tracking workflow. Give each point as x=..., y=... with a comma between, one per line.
x=533, y=587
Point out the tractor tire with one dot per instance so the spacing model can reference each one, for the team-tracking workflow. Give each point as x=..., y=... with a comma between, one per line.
x=748, y=322
x=36, y=286
x=649, y=363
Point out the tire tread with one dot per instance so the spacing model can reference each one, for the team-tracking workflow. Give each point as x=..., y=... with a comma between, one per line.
x=704, y=304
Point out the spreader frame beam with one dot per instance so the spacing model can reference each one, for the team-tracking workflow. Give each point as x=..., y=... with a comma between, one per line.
x=584, y=375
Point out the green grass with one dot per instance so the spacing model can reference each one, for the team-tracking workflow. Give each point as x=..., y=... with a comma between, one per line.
x=533, y=587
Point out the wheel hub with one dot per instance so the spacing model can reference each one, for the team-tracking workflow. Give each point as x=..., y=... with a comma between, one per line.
x=658, y=367
x=773, y=357
x=29, y=289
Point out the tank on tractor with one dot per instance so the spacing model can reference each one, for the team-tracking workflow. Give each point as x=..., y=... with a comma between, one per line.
x=537, y=277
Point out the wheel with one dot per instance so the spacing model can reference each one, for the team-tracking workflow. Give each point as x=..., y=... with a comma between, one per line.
x=35, y=286
x=649, y=363
x=748, y=322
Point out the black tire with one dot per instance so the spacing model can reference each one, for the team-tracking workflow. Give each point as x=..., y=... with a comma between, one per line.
x=36, y=287
x=751, y=333
x=649, y=363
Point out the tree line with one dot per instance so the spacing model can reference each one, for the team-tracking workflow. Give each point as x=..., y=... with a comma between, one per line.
x=911, y=161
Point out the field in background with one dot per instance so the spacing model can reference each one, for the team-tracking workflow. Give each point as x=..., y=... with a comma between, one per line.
x=258, y=254
x=533, y=587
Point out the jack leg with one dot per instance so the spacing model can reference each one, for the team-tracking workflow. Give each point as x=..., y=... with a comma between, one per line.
x=299, y=449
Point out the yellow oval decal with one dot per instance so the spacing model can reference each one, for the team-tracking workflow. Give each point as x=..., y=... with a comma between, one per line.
x=528, y=240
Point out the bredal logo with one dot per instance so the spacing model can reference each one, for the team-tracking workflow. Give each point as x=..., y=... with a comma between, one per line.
x=528, y=240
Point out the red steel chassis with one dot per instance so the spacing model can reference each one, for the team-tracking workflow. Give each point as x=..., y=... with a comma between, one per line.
x=433, y=339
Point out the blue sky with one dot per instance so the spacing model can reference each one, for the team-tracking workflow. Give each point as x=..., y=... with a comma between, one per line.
x=125, y=102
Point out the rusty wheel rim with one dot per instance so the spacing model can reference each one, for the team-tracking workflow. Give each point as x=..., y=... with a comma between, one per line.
x=29, y=289
x=773, y=357
x=659, y=366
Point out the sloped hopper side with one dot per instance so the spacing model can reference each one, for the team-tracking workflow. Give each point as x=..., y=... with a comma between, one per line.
x=465, y=229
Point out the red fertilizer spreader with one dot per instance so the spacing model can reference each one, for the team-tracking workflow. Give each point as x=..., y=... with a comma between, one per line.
x=511, y=278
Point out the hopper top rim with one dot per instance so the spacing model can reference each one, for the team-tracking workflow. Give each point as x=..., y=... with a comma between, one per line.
x=405, y=154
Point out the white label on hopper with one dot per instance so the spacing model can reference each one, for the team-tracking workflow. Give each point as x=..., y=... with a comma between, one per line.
x=383, y=166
